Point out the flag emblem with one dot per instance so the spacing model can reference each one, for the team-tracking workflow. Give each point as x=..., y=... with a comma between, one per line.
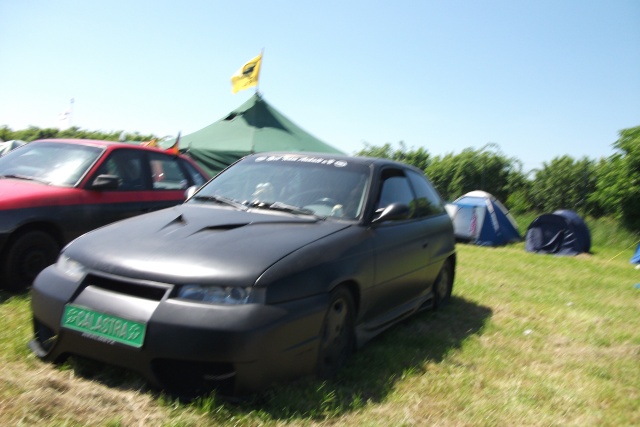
x=247, y=75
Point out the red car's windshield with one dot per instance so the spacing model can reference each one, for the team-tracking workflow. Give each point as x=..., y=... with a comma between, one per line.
x=53, y=163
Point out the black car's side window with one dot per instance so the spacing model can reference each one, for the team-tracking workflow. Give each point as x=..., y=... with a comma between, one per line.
x=395, y=188
x=128, y=165
x=428, y=202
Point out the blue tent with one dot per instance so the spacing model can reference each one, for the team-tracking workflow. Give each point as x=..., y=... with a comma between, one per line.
x=635, y=259
x=480, y=218
x=562, y=232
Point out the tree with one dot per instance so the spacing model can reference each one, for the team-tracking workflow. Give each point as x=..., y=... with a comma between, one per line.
x=456, y=174
x=564, y=183
x=419, y=158
x=32, y=133
x=6, y=134
x=384, y=152
x=618, y=181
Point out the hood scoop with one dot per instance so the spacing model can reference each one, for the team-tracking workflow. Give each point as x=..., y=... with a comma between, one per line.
x=224, y=227
x=179, y=222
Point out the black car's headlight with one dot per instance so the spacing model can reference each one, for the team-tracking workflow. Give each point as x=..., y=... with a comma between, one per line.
x=230, y=295
x=71, y=268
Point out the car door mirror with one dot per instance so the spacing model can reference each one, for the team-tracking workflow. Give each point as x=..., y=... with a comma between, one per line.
x=393, y=212
x=106, y=182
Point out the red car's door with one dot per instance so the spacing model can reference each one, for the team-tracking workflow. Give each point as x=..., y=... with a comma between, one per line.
x=146, y=181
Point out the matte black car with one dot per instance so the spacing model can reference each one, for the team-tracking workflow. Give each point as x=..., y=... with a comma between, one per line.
x=52, y=191
x=279, y=267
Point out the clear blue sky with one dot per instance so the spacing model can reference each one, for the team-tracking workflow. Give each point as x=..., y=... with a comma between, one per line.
x=540, y=78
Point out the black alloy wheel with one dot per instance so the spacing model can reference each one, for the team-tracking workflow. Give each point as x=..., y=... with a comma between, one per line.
x=443, y=286
x=337, y=334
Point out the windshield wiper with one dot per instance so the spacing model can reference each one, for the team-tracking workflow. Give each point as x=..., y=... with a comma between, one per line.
x=282, y=207
x=223, y=200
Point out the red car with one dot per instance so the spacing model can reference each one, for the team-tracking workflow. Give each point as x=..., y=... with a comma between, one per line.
x=52, y=191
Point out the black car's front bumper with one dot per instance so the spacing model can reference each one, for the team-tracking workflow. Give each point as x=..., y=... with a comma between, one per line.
x=188, y=347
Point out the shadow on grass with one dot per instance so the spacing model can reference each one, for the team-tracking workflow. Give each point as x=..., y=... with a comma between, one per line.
x=7, y=295
x=4, y=296
x=371, y=374
x=402, y=351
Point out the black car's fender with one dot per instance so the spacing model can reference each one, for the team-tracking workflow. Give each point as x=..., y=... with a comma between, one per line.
x=316, y=268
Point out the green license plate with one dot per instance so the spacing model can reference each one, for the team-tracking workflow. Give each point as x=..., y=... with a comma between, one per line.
x=103, y=327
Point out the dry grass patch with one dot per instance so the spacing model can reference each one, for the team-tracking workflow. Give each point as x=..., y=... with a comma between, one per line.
x=47, y=395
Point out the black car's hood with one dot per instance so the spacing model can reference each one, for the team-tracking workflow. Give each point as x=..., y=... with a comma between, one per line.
x=194, y=243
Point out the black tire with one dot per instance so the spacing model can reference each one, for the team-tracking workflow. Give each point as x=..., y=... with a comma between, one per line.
x=443, y=285
x=27, y=256
x=337, y=337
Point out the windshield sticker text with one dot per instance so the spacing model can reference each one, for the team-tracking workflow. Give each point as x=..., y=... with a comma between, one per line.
x=302, y=159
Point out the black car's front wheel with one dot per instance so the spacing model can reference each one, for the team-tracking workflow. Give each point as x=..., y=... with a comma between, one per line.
x=27, y=256
x=337, y=334
x=443, y=285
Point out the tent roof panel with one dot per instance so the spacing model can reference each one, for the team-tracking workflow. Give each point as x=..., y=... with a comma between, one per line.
x=255, y=126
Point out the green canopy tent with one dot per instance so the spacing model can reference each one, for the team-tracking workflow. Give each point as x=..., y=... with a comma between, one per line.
x=254, y=127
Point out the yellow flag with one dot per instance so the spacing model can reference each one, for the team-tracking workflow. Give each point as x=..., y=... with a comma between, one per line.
x=247, y=75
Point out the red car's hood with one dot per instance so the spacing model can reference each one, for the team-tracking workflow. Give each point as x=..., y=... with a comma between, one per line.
x=18, y=193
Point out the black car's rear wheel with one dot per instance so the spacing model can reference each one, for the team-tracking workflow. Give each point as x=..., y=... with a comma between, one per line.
x=27, y=256
x=443, y=285
x=337, y=334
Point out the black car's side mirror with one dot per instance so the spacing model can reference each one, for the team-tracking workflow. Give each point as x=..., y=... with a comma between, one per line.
x=106, y=182
x=393, y=212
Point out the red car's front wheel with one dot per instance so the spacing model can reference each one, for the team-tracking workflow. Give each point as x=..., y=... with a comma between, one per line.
x=27, y=256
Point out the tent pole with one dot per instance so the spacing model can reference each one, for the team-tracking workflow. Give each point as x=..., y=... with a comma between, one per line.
x=260, y=69
x=253, y=131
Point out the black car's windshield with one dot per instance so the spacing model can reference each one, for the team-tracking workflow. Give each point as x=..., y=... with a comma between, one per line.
x=294, y=183
x=49, y=162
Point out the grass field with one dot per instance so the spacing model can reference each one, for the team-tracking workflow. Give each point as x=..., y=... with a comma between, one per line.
x=528, y=339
